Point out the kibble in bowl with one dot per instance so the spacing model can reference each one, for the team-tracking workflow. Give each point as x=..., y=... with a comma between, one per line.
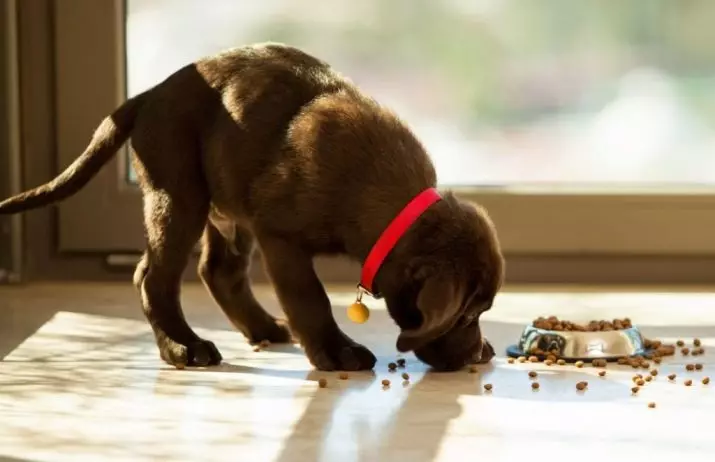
x=595, y=342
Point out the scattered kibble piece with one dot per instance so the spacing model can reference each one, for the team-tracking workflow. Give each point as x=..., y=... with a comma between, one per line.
x=256, y=349
x=549, y=362
x=535, y=385
x=473, y=369
x=688, y=382
x=522, y=359
x=637, y=377
x=392, y=366
x=180, y=366
x=706, y=380
x=510, y=360
x=634, y=390
x=533, y=359
x=680, y=343
x=580, y=386
x=561, y=362
x=532, y=374
x=406, y=376
x=602, y=373
x=696, y=342
x=690, y=367
x=265, y=343
x=648, y=378
x=671, y=377
x=488, y=386
x=654, y=372
x=401, y=362
x=657, y=360
x=685, y=351
x=651, y=405
x=343, y=376
x=645, y=365
x=322, y=383
x=640, y=382
x=385, y=383
x=579, y=364
x=698, y=367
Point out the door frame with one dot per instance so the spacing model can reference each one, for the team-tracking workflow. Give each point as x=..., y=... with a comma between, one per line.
x=631, y=238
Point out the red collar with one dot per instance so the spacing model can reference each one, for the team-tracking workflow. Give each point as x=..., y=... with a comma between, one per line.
x=394, y=231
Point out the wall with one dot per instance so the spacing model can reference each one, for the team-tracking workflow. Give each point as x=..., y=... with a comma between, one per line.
x=5, y=237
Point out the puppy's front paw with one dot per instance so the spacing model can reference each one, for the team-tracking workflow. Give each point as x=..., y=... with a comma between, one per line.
x=342, y=355
x=198, y=353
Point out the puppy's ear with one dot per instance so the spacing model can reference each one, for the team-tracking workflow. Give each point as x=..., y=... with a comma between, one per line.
x=439, y=302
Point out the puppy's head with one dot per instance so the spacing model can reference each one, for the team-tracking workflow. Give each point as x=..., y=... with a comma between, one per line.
x=452, y=268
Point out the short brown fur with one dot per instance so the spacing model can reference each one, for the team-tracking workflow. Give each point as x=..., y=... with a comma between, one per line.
x=267, y=146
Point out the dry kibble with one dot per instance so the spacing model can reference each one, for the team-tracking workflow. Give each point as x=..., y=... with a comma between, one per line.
x=637, y=377
x=406, y=376
x=533, y=359
x=602, y=373
x=322, y=383
x=579, y=364
x=401, y=362
x=256, y=349
x=265, y=343
x=551, y=358
x=657, y=360
x=690, y=367
x=385, y=383
x=685, y=351
x=706, y=380
x=488, y=386
x=561, y=362
x=680, y=343
x=549, y=362
x=392, y=366
x=671, y=377
x=535, y=385
x=648, y=378
x=640, y=382
x=698, y=367
x=645, y=365
x=654, y=372
x=522, y=359
x=510, y=360
x=532, y=374
x=580, y=386
x=634, y=390
x=473, y=369
x=651, y=405
x=343, y=376
x=688, y=382
x=622, y=361
x=696, y=342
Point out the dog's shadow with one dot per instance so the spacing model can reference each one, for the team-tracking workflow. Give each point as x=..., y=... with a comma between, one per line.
x=418, y=420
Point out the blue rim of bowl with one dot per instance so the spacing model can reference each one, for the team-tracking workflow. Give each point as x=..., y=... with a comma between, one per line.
x=513, y=351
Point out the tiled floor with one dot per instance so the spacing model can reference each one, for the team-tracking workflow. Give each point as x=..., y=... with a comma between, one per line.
x=81, y=381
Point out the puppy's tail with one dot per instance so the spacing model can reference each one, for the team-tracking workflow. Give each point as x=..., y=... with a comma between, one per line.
x=106, y=141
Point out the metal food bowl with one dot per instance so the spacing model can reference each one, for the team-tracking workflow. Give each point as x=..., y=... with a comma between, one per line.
x=580, y=346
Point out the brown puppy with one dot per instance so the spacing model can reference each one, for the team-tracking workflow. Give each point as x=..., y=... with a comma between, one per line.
x=268, y=145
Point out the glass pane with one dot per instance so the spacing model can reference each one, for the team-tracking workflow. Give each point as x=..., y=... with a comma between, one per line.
x=502, y=92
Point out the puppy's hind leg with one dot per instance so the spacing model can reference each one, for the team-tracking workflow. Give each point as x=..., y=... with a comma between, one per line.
x=173, y=226
x=224, y=270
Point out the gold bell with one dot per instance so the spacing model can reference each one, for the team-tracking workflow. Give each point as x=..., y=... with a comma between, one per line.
x=358, y=312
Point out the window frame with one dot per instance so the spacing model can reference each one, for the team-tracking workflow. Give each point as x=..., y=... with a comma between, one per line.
x=546, y=236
